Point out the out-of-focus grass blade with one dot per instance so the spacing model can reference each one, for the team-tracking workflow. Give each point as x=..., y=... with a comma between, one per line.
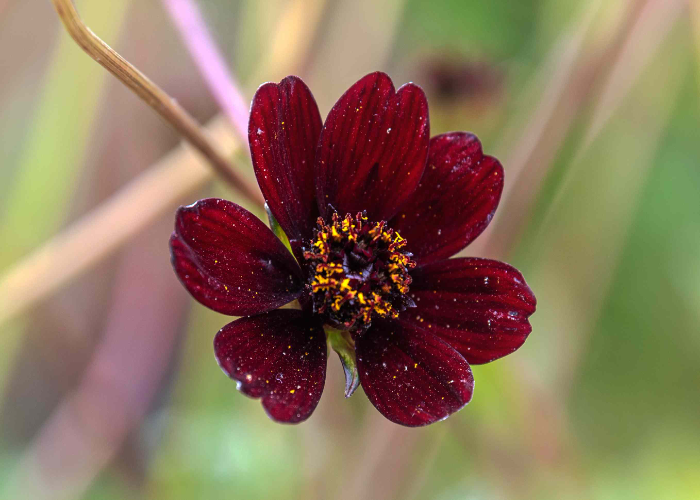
x=570, y=270
x=52, y=159
x=53, y=155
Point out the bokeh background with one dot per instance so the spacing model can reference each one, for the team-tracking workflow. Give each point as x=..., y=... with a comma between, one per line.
x=108, y=384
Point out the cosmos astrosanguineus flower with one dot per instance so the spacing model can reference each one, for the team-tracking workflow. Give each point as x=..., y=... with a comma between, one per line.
x=366, y=210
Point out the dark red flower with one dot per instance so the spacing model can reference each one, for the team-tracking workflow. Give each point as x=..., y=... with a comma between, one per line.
x=372, y=208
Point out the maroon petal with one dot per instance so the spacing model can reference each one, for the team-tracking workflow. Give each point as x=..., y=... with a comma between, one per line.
x=283, y=134
x=373, y=148
x=455, y=200
x=478, y=306
x=411, y=376
x=278, y=356
x=230, y=261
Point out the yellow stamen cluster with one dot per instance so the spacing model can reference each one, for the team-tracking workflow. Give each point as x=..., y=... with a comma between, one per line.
x=360, y=269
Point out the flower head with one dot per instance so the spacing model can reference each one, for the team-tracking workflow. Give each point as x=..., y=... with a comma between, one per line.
x=372, y=209
x=358, y=270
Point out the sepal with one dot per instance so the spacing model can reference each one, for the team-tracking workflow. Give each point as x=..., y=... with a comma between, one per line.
x=341, y=342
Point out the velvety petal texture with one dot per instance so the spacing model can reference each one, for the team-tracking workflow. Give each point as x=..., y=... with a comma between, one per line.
x=283, y=133
x=373, y=148
x=279, y=357
x=455, y=200
x=478, y=306
x=418, y=320
x=412, y=377
x=230, y=261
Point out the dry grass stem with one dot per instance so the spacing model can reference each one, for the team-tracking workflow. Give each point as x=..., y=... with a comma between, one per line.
x=154, y=96
x=104, y=230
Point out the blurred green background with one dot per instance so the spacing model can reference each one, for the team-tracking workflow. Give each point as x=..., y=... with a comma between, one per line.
x=109, y=388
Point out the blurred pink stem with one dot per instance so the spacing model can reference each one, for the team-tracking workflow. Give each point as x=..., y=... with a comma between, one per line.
x=211, y=63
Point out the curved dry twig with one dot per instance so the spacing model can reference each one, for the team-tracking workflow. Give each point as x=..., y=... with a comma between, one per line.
x=154, y=96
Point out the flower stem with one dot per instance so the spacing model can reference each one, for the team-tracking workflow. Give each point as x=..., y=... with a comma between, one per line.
x=153, y=95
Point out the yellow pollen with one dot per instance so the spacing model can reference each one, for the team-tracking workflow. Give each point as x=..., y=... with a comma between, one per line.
x=361, y=269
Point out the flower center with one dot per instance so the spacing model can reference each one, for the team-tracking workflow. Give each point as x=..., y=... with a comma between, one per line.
x=359, y=270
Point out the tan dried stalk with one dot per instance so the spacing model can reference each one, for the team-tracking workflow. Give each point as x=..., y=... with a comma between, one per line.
x=154, y=96
x=102, y=231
